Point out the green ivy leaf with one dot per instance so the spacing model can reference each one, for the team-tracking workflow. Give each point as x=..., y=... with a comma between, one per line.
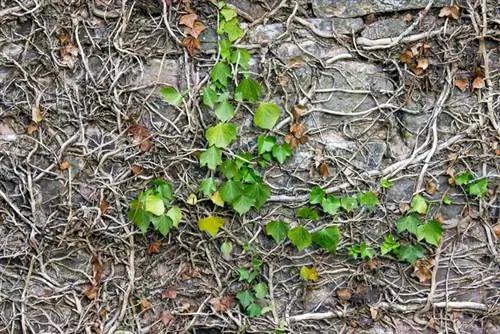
x=418, y=205
x=348, y=203
x=163, y=189
x=316, y=195
x=327, y=238
x=210, y=225
x=330, y=204
x=478, y=188
x=408, y=223
x=254, y=310
x=139, y=216
x=464, y=178
x=175, y=214
x=410, y=253
x=309, y=274
x=224, y=111
x=243, y=204
x=233, y=30
x=221, y=135
x=353, y=251
x=228, y=13
x=162, y=224
x=171, y=95
x=260, y=192
x=225, y=49
x=209, y=97
x=307, y=213
x=242, y=57
x=282, y=152
x=277, y=229
x=208, y=186
x=260, y=290
x=244, y=275
x=230, y=169
x=247, y=90
x=154, y=204
x=231, y=190
x=266, y=115
x=245, y=298
x=366, y=252
x=226, y=248
x=300, y=237
x=211, y=157
x=369, y=200
x=220, y=73
x=389, y=245
x=386, y=184
x=431, y=232
x=265, y=144
x=446, y=200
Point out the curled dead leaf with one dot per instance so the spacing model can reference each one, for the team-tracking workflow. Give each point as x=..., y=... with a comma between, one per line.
x=439, y=217
x=431, y=188
x=416, y=70
x=197, y=29
x=136, y=170
x=298, y=111
x=64, y=165
x=422, y=63
x=140, y=135
x=452, y=12
x=188, y=19
x=223, y=304
x=167, y=319
x=404, y=207
x=344, y=294
x=91, y=292
x=406, y=57
x=144, y=304
x=154, y=247
x=31, y=128
x=496, y=229
x=323, y=170
x=478, y=83
x=407, y=17
x=97, y=269
x=191, y=44
x=36, y=113
x=372, y=264
x=461, y=84
x=103, y=206
x=169, y=293
x=422, y=270
x=298, y=130
x=373, y=313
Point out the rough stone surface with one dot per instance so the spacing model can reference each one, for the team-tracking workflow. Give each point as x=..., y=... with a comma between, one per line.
x=384, y=28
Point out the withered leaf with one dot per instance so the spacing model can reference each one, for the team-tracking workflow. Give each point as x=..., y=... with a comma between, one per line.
x=404, y=207
x=169, y=293
x=422, y=63
x=140, y=135
x=223, y=304
x=372, y=264
x=408, y=17
x=103, y=206
x=461, y=84
x=478, y=83
x=291, y=140
x=188, y=19
x=298, y=130
x=136, y=170
x=36, y=113
x=439, y=217
x=431, y=188
x=496, y=229
x=154, y=247
x=323, y=170
x=31, y=128
x=373, y=313
x=167, y=319
x=344, y=294
x=406, y=57
x=197, y=29
x=296, y=62
x=422, y=270
x=298, y=111
x=97, y=269
x=452, y=12
x=191, y=44
x=91, y=292
x=416, y=70
x=144, y=304
x=64, y=165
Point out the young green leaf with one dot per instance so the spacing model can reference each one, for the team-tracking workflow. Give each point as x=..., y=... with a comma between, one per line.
x=418, y=205
x=163, y=189
x=330, y=204
x=228, y=13
x=365, y=251
x=316, y=195
x=266, y=115
x=307, y=213
x=353, y=251
x=211, y=157
x=431, y=232
x=309, y=274
x=191, y=199
x=408, y=223
x=209, y=97
x=300, y=237
x=254, y=310
x=348, y=203
x=244, y=275
x=260, y=290
x=224, y=111
x=410, y=253
x=233, y=30
x=221, y=135
x=242, y=57
x=386, y=184
x=162, y=224
x=226, y=248
x=277, y=229
x=245, y=298
x=231, y=190
x=220, y=73
x=171, y=95
x=260, y=192
x=210, y=225
x=243, y=204
x=154, y=204
x=208, y=186
x=247, y=90
x=281, y=152
x=389, y=245
x=175, y=214
x=464, y=178
x=327, y=238
x=230, y=169
x=446, y=200
x=369, y=200
x=139, y=216
x=265, y=144
x=478, y=188
x=225, y=49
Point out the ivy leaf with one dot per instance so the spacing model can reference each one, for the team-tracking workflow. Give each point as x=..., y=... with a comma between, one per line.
x=243, y=204
x=139, y=216
x=300, y=237
x=208, y=186
x=163, y=189
x=230, y=169
x=233, y=30
x=211, y=157
x=277, y=229
x=220, y=73
x=386, y=184
x=171, y=95
x=408, y=223
x=389, y=245
x=307, y=213
x=309, y=274
x=478, y=188
x=418, y=205
x=175, y=214
x=224, y=111
x=210, y=225
x=410, y=253
x=209, y=97
x=242, y=57
x=266, y=115
x=265, y=144
x=369, y=200
x=217, y=199
x=431, y=232
x=348, y=203
x=221, y=135
x=245, y=298
x=225, y=49
x=260, y=192
x=230, y=191
x=316, y=195
x=330, y=204
x=281, y=152
x=464, y=178
x=228, y=13
x=365, y=251
x=327, y=238
x=154, y=204
x=162, y=224
x=353, y=251
x=260, y=290
x=247, y=90
x=446, y=200
x=254, y=310
x=226, y=249
x=244, y=275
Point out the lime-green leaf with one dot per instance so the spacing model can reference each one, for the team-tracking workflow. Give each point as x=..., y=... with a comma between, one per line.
x=300, y=237
x=408, y=223
x=139, y=216
x=162, y=224
x=410, y=253
x=225, y=49
x=210, y=225
x=242, y=57
x=154, y=204
x=431, y=232
x=191, y=199
x=307, y=213
x=211, y=157
x=244, y=275
x=254, y=310
x=478, y=188
x=389, y=245
x=386, y=184
x=175, y=214
x=260, y=192
x=348, y=203
x=245, y=298
x=309, y=274
x=226, y=248
x=228, y=13
x=266, y=115
x=317, y=195
x=330, y=204
x=353, y=251
x=418, y=205
x=265, y=144
x=224, y=111
x=243, y=204
x=365, y=251
x=221, y=135
x=233, y=30
x=281, y=152
x=277, y=229
x=208, y=186
x=216, y=198
x=327, y=238
x=369, y=200
x=464, y=178
x=171, y=95
x=247, y=90
x=209, y=97
x=220, y=73
x=260, y=290
x=231, y=190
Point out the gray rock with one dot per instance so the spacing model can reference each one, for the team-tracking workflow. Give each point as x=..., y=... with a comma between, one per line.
x=353, y=8
x=343, y=26
x=367, y=157
x=401, y=191
x=158, y=73
x=265, y=34
x=384, y=28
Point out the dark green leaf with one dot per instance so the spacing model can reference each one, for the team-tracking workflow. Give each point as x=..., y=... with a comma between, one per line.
x=242, y=57
x=245, y=298
x=254, y=310
x=209, y=97
x=220, y=73
x=353, y=251
x=281, y=152
x=316, y=195
x=225, y=49
x=244, y=275
x=265, y=144
x=162, y=224
x=307, y=213
x=369, y=200
x=327, y=238
x=208, y=186
x=478, y=188
x=408, y=223
x=243, y=204
x=410, y=253
x=230, y=169
x=231, y=190
x=446, y=200
x=431, y=232
x=330, y=204
x=247, y=90
x=277, y=229
x=221, y=135
x=260, y=192
x=300, y=237
x=211, y=157
x=139, y=216
x=464, y=178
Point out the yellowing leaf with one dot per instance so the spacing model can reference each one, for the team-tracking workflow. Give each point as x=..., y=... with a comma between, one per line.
x=36, y=114
x=192, y=200
x=217, y=199
x=210, y=225
x=309, y=274
x=154, y=205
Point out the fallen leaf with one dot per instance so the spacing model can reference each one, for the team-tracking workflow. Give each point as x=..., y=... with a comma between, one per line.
x=31, y=128
x=36, y=113
x=191, y=44
x=450, y=12
x=154, y=247
x=97, y=269
x=197, y=29
x=373, y=313
x=422, y=270
x=185, y=305
x=216, y=198
x=223, y=304
x=63, y=36
x=323, y=170
x=461, y=84
x=298, y=130
x=69, y=55
x=478, y=83
x=416, y=70
x=298, y=111
x=319, y=158
x=296, y=62
x=408, y=17
x=291, y=140
x=103, y=313
x=455, y=315
x=64, y=165
x=103, y=206
x=188, y=19
x=167, y=319
x=144, y=304
x=439, y=217
x=404, y=207
x=169, y=293
x=422, y=63
x=406, y=57
x=140, y=135
x=496, y=229
x=136, y=170
x=91, y=292
x=344, y=294
x=431, y=188
x=372, y=264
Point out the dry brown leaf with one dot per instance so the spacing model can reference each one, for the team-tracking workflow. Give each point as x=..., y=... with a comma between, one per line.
x=136, y=170
x=31, y=128
x=169, y=293
x=36, y=113
x=97, y=269
x=461, y=84
x=103, y=206
x=296, y=62
x=154, y=247
x=197, y=29
x=64, y=165
x=323, y=170
x=408, y=17
x=103, y=313
x=373, y=313
x=188, y=19
x=185, y=305
x=344, y=294
x=416, y=70
x=167, y=319
x=431, y=188
x=141, y=136
x=144, y=304
x=291, y=140
x=223, y=304
x=404, y=207
x=318, y=157
x=91, y=292
x=422, y=270
x=406, y=57
x=496, y=229
x=478, y=83
x=422, y=63
x=439, y=217
x=298, y=111
x=452, y=12
x=372, y=264
x=191, y=44
x=298, y=130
